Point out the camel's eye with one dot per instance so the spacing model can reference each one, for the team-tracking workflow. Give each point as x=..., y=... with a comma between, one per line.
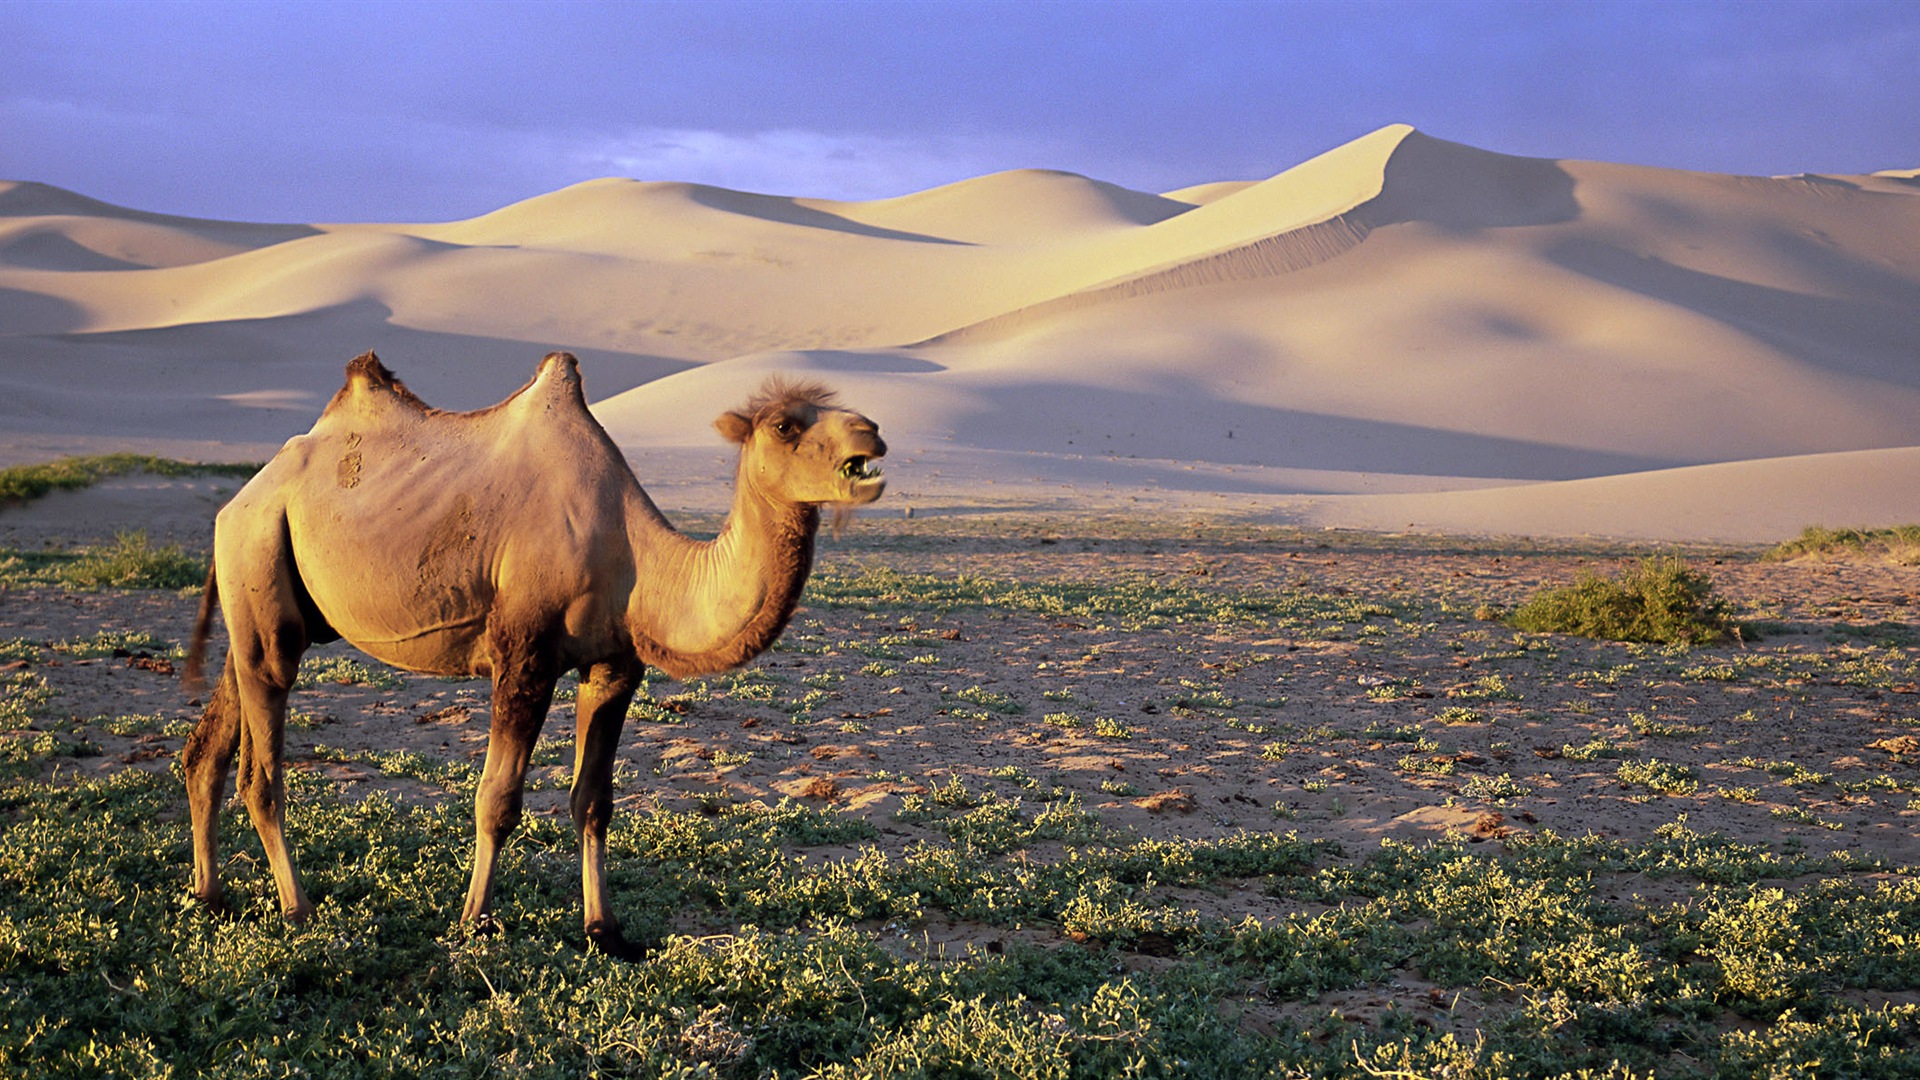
x=789, y=427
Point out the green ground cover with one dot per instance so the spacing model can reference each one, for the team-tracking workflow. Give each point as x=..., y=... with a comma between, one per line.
x=1002, y=924
x=795, y=951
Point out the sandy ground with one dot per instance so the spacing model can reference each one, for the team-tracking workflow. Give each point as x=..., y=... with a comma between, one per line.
x=1385, y=727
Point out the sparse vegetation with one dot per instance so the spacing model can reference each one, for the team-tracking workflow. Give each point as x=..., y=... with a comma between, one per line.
x=816, y=970
x=130, y=561
x=1159, y=852
x=23, y=482
x=1659, y=777
x=1899, y=545
x=344, y=671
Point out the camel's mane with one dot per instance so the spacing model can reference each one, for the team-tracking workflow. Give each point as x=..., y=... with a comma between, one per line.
x=779, y=395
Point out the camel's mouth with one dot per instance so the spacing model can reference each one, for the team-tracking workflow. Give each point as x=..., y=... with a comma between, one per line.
x=865, y=482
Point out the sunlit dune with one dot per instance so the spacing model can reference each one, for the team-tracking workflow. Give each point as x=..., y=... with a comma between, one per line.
x=1402, y=331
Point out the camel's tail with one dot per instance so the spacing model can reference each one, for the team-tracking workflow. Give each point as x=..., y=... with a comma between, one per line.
x=195, y=679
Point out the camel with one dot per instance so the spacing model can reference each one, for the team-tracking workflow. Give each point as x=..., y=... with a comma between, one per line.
x=511, y=542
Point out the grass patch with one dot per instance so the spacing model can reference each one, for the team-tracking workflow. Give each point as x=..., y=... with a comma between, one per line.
x=24, y=695
x=131, y=561
x=114, y=643
x=1659, y=777
x=23, y=482
x=1127, y=601
x=1899, y=545
x=1659, y=599
x=134, y=562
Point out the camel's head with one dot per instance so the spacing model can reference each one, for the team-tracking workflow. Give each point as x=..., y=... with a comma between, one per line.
x=798, y=445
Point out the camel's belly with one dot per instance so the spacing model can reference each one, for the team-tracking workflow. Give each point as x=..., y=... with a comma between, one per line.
x=421, y=623
x=446, y=652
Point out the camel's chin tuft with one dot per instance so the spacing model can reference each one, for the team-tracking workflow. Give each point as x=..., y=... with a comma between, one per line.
x=866, y=489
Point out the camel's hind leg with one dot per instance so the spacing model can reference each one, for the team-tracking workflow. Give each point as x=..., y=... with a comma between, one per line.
x=267, y=631
x=206, y=759
x=599, y=713
x=263, y=680
x=523, y=681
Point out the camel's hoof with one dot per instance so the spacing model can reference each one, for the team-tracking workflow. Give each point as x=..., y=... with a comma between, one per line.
x=483, y=927
x=609, y=940
x=215, y=905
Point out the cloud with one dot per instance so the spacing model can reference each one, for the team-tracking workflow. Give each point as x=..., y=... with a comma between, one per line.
x=803, y=163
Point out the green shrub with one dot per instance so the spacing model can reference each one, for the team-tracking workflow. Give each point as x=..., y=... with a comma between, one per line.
x=1494, y=788
x=113, y=643
x=1660, y=599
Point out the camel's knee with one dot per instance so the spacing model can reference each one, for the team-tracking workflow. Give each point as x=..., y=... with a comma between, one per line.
x=607, y=681
x=592, y=810
x=258, y=796
x=206, y=751
x=262, y=787
x=498, y=813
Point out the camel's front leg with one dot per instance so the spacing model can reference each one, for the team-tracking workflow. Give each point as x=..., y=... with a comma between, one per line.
x=522, y=693
x=599, y=713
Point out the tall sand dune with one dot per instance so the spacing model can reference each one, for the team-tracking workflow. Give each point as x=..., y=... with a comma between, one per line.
x=1402, y=327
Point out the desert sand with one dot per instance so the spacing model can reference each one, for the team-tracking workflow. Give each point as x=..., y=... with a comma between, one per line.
x=1402, y=333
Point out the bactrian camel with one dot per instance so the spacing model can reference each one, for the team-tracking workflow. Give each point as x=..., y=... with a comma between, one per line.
x=512, y=542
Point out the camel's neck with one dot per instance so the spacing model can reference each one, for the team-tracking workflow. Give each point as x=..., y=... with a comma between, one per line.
x=705, y=606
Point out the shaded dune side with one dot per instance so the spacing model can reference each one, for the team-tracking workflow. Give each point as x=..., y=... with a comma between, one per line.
x=1284, y=253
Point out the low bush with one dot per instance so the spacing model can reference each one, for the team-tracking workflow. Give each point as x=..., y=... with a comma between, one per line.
x=1660, y=599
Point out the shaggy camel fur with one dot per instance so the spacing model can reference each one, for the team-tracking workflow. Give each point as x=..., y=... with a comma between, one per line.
x=511, y=542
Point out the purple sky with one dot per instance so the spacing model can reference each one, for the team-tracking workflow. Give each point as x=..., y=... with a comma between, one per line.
x=423, y=110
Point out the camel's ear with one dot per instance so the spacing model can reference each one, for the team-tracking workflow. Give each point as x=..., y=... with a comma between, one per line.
x=734, y=427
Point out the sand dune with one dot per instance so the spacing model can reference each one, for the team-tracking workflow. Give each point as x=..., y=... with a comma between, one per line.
x=1400, y=328
x=1743, y=501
